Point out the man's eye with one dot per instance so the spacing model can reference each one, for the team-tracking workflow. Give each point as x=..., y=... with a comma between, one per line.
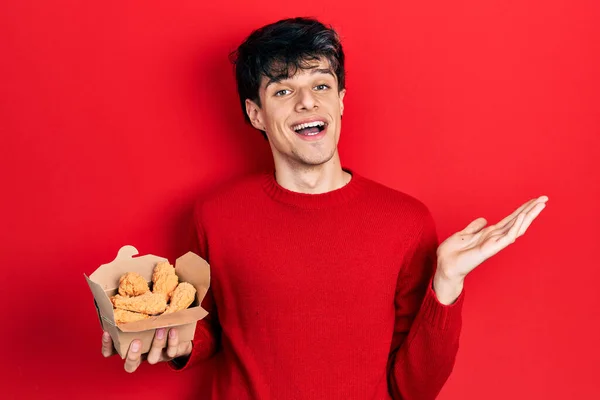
x=280, y=92
x=322, y=87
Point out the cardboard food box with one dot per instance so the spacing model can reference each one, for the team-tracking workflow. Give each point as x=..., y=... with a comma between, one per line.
x=104, y=282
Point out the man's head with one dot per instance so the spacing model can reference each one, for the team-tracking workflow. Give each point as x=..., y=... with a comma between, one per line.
x=288, y=73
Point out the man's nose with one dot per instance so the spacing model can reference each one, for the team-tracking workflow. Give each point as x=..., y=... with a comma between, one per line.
x=306, y=100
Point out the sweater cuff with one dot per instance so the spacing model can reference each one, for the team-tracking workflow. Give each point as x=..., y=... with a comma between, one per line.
x=442, y=316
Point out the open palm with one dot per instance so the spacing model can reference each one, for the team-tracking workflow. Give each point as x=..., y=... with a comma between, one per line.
x=462, y=252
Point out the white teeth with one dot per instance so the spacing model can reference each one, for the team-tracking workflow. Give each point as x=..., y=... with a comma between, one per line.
x=308, y=125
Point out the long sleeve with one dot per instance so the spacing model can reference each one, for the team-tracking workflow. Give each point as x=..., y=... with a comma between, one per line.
x=426, y=332
x=206, y=337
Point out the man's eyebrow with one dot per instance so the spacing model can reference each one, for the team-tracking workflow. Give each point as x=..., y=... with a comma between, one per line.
x=279, y=78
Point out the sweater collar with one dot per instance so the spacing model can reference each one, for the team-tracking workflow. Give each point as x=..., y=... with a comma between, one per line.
x=312, y=201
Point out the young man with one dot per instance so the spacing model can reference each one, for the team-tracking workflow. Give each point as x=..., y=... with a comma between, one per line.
x=325, y=284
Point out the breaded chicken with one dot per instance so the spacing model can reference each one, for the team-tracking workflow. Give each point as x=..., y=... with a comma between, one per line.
x=183, y=296
x=164, y=279
x=124, y=316
x=147, y=303
x=132, y=284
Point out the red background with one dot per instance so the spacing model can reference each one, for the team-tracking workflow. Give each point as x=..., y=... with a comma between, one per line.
x=115, y=115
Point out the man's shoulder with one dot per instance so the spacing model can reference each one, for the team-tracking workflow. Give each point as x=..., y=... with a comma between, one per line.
x=392, y=199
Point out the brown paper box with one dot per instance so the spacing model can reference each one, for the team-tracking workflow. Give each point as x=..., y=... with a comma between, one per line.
x=104, y=283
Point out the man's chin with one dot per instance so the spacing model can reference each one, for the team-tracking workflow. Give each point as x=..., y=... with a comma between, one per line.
x=310, y=160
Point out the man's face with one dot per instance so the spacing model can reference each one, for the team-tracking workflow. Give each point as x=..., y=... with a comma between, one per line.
x=301, y=115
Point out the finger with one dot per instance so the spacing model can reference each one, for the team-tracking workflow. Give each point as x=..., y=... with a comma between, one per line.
x=475, y=226
x=133, y=356
x=107, y=345
x=510, y=236
x=524, y=208
x=514, y=231
x=528, y=216
x=158, y=345
x=502, y=224
x=172, y=343
x=501, y=231
x=185, y=349
x=533, y=214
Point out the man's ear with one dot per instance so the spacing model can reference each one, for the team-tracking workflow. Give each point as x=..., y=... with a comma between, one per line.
x=342, y=94
x=255, y=115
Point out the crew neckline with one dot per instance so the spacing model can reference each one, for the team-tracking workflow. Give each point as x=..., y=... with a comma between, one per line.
x=309, y=200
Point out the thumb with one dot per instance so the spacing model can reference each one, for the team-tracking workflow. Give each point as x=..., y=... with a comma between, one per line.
x=475, y=226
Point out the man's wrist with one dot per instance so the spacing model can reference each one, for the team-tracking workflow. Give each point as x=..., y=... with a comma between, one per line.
x=446, y=290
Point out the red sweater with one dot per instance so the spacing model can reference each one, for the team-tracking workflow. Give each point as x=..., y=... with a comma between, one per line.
x=325, y=296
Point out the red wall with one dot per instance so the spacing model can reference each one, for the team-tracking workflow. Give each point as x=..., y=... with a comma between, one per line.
x=115, y=115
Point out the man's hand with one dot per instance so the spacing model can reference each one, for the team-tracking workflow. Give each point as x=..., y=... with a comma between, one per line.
x=462, y=252
x=158, y=352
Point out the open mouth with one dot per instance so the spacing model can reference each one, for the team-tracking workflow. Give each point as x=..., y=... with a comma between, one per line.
x=310, y=128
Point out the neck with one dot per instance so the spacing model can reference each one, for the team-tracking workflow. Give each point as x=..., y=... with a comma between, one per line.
x=312, y=179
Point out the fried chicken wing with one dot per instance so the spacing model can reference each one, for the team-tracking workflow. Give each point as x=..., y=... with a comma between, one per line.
x=132, y=284
x=124, y=316
x=147, y=303
x=164, y=279
x=182, y=297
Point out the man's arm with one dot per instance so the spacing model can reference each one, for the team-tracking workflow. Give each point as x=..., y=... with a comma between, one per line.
x=426, y=332
x=425, y=343
x=208, y=331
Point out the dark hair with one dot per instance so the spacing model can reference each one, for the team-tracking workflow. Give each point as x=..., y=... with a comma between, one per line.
x=279, y=49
